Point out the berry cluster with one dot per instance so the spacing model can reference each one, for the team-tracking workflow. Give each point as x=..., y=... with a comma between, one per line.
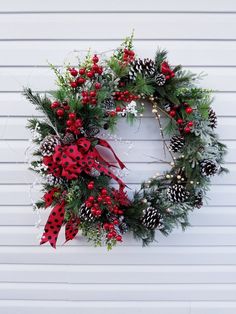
x=128, y=55
x=111, y=232
x=101, y=202
x=60, y=108
x=125, y=96
x=73, y=124
x=175, y=112
x=83, y=74
x=89, y=97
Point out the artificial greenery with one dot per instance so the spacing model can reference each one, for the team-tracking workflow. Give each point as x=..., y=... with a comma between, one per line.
x=178, y=99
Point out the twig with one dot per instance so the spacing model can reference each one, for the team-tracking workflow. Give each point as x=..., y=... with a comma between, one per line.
x=165, y=146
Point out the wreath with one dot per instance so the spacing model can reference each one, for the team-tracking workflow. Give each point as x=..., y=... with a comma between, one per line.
x=80, y=184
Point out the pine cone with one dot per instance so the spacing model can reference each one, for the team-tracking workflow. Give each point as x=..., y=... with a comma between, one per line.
x=208, y=167
x=167, y=106
x=144, y=67
x=92, y=131
x=212, y=118
x=198, y=201
x=123, y=227
x=151, y=218
x=52, y=181
x=85, y=214
x=48, y=145
x=160, y=79
x=68, y=139
x=177, y=193
x=176, y=143
x=108, y=104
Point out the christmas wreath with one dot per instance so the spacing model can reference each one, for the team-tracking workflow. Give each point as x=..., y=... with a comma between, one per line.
x=79, y=183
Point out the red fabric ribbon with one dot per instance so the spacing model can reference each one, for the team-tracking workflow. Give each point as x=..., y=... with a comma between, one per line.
x=72, y=228
x=54, y=224
x=166, y=70
x=70, y=160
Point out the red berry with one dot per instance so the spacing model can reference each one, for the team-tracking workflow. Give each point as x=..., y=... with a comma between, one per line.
x=60, y=112
x=116, y=222
x=88, y=204
x=131, y=53
x=188, y=110
x=98, y=85
x=187, y=130
x=91, y=198
x=118, y=109
x=55, y=104
x=111, y=227
x=90, y=74
x=180, y=121
x=172, y=113
x=73, y=84
x=84, y=102
x=95, y=68
x=86, y=98
x=107, y=198
x=73, y=72
x=100, y=70
x=78, y=123
x=110, y=235
x=90, y=186
x=93, y=101
x=98, y=212
x=80, y=80
x=104, y=191
x=93, y=93
x=112, y=113
x=94, y=211
x=72, y=116
x=106, y=226
x=95, y=59
x=190, y=124
x=118, y=238
x=84, y=93
x=99, y=198
x=69, y=123
x=81, y=71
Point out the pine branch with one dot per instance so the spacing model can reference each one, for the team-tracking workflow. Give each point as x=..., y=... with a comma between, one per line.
x=160, y=57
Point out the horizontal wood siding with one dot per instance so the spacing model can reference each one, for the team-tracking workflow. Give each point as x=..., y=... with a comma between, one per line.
x=191, y=272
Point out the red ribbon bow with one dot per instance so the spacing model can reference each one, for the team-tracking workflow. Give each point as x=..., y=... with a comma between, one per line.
x=69, y=161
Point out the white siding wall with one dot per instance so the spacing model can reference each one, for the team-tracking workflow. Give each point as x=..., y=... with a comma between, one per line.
x=192, y=272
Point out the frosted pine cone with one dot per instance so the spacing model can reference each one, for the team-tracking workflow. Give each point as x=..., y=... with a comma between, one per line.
x=144, y=67
x=208, y=167
x=48, y=145
x=160, y=79
x=151, y=218
x=212, y=119
x=177, y=193
x=85, y=214
x=176, y=143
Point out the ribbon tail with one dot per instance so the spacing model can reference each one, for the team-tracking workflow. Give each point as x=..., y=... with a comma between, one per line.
x=99, y=157
x=107, y=145
x=72, y=228
x=110, y=174
x=54, y=224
